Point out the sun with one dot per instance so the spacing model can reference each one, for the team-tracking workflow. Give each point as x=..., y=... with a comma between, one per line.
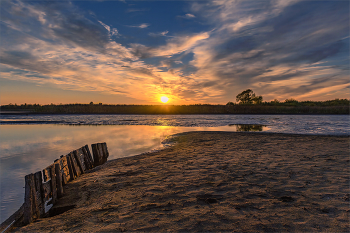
x=164, y=99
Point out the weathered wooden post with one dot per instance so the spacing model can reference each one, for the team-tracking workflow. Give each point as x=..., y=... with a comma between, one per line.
x=64, y=170
x=100, y=153
x=88, y=155
x=74, y=163
x=59, y=180
x=81, y=165
x=31, y=210
x=39, y=192
x=97, y=155
x=70, y=167
x=53, y=184
x=105, y=151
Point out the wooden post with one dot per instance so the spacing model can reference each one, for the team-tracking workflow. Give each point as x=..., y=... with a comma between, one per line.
x=70, y=167
x=87, y=161
x=105, y=152
x=96, y=154
x=47, y=192
x=31, y=210
x=53, y=184
x=79, y=162
x=64, y=170
x=58, y=180
x=39, y=192
x=75, y=167
x=89, y=155
x=99, y=147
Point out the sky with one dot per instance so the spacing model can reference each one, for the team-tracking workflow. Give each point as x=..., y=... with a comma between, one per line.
x=135, y=52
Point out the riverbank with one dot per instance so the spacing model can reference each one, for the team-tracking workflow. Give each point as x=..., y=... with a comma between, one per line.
x=212, y=181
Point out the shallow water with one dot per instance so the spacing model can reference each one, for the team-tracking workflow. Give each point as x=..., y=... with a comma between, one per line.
x=31, y=143
x=299, y=124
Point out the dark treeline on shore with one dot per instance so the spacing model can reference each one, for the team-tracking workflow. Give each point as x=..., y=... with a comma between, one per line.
x=337, y=106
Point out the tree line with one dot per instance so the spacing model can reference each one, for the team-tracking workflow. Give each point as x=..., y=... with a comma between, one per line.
x=247, y=103
x=248, y=97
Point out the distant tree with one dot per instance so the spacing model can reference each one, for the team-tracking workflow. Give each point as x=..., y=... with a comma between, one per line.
x=257, y=99
x=291, y=100
x=248, y=97
x=230, y=103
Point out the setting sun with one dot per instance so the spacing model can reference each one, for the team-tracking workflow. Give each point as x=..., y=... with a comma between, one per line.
x=164, y=99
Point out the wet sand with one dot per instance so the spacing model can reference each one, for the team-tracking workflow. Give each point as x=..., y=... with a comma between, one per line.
x=214, y=181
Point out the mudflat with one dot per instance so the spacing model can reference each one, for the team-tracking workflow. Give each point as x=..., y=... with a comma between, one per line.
x=214, y=181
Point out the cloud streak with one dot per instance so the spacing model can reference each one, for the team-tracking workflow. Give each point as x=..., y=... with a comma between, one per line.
x=143, y=25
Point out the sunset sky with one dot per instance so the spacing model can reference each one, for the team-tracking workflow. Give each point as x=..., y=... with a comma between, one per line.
x=134, y=52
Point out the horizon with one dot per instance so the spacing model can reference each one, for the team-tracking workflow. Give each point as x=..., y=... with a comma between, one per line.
x=192, y=52
x=167, y=104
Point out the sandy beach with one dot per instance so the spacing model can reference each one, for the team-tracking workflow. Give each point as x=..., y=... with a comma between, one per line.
x=214, y=181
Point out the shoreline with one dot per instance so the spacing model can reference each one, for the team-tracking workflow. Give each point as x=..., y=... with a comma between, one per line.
x=214, y=181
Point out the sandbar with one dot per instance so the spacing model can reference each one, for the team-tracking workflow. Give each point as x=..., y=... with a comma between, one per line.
x=210, y=182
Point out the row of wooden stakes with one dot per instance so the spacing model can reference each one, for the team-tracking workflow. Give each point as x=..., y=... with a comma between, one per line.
x=43, y=188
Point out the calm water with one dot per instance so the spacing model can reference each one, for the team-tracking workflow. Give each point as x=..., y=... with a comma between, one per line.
x=31, y=143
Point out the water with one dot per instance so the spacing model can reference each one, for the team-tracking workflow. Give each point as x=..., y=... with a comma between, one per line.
x=299, y=124
x=31, y=143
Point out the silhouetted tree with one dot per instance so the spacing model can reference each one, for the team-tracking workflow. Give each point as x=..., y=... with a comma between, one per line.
x=291, y=100
x=248, y=97
x=257, y=99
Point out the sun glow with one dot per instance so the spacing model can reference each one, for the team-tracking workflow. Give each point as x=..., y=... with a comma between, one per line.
x=164, y=99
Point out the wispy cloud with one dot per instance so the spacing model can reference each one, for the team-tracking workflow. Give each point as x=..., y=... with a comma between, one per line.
x=257, y=42
x=187, y=16
x=173, y=46
x=143, y=25
x=158, y=34
x=113, y=31
x=130, y=10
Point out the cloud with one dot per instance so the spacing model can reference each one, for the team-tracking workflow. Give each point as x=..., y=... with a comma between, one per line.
x=173, y=46
x=143, y=25
x=113, y=31
x=187, y=16
x=158, y=34
x=131, y=10
x=72, y=52
x=254, y=42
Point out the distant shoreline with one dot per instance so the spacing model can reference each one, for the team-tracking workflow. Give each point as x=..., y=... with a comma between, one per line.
x=174, y=109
